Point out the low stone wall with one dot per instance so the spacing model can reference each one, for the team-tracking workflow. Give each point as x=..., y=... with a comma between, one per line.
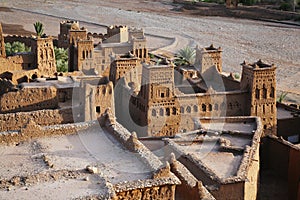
x=32, y=130
x=190, y=187
x=131, y=142
x=16, y=121
x=29, y=99
x=166, y=192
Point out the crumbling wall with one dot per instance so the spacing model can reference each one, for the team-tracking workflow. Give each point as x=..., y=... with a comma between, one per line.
x=16, y=121
x=29, y=99
x=31, y=130
x=190, y=187
x=160, y=193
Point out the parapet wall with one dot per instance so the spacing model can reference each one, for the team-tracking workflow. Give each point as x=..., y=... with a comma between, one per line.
x=29, y=99
x=97, y=35
x=16, y=63
x=163, y=192
x=13, y=38
x=32, y=130
x=131, y=142
x=190, y=187
x=16, y=121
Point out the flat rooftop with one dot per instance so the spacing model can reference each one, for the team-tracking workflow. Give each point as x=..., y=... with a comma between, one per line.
x=61, y=82
x=219, y=148
x=60, y=156
x=113, y=45
x=284, y=113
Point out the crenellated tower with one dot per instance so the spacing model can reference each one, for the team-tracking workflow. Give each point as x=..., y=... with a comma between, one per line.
x=260, y=80
x=208, y=57
x=156, y=101
x=44, y=55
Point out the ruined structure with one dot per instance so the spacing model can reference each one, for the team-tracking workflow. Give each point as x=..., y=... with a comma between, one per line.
x=96, y=58
x=207, y=57
x=223, y=160
x=259, y=79
x=164, y=107
x=206, y=124
x=40, y=62
x=115, y=178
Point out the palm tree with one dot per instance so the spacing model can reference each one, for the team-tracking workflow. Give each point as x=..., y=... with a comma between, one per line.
x=185, y=56
x=39, y=28
x=61, y=57
x=16, y=47
x=282, y=96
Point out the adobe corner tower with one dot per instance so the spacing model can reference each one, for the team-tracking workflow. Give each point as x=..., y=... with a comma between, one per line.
x=44, y=55
x=260, y=80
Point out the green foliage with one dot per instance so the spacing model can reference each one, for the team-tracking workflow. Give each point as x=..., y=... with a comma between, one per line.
x=185, y=56
x=151, y=55
x=158, y=61
x=39, y=28
x=248, y=2
x=16, y=47
x=61, y=56
x=236, y=76
x=286, y=6
x=214, y=1
x=282, y=96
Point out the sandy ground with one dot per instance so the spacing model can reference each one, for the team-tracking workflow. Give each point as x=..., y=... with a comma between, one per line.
x=240, y=39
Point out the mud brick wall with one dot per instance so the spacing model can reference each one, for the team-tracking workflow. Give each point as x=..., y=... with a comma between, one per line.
x=162, y=193
x=16, y=121
x=32, y=131
x=29, y=99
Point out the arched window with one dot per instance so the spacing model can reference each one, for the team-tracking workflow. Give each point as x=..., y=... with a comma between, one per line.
x=272, y=108
x=203, y=107
x=223, y=106
x=181, y=109
x=188, y=109
x=272, y=93
x=174, y=111
x=83, y=55
x=161, y=112
x=264, y=94
x=153, y=112
x=216, y=107
x=195, y=107
x=209, y=107
x=257, y=93
x=230, y=106
x=168, y=111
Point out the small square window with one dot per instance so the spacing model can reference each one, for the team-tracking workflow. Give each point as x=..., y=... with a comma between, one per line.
x=98, y=109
